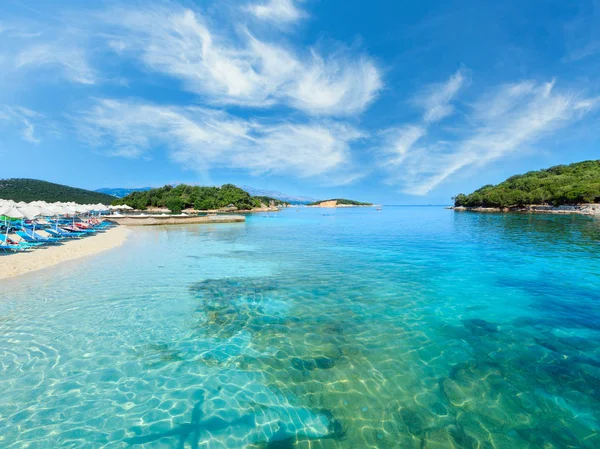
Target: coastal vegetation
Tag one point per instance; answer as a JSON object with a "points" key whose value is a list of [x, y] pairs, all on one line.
{"points": [[267, 200], [341, 201], [560, 185], [185, 196], [25, 189]]}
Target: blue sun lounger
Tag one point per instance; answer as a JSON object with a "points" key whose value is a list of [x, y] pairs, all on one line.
{"points": [[30, 239], [21, 246], [65, 234], [84, 231], [36, 236], [11, 248]]}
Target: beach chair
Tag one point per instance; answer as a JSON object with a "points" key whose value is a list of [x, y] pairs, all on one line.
{"points": [[7, 246], [75, 229], [11, 248], [30, 239], [67, 235], [37, 236]]}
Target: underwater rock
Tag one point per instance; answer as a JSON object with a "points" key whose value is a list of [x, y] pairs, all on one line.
{"points": [[415, 422], [453, 392], [462, 438], [479, 327], [437, 439], [303, 365], [324, 363], [311, 364], [233, 287]]}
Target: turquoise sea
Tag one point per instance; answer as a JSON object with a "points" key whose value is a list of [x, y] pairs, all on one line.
{"points": [[413, 327]]}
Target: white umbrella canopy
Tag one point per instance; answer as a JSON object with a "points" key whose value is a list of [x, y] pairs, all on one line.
{"points": [[29, 212], [79, 208], [12, 212], [45, 210]]}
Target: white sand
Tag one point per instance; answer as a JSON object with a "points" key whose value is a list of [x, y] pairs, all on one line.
{"points": [[40, 258]]}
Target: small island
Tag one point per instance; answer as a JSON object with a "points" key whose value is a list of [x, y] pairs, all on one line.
{"points": [[338, 202], [187, 198], [573, 188]]}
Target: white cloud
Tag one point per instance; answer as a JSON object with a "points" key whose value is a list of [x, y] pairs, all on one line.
{"points": [[499, 123], [38, 47], [202, 138], [239, 69], [277, 11], [22, 117], [67, 58], [396, 143], [399, 141], [435, 100]]}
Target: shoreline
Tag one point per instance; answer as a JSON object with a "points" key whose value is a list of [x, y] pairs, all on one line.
{"points": [[583, 209], [156, 220], [39, 259]]}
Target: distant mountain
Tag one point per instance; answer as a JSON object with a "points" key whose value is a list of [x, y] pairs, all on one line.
{"points": [[120, 193], [278, 195], [24, 189]]}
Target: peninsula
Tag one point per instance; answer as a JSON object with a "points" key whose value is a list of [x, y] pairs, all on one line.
{"points": [[573, 188]]}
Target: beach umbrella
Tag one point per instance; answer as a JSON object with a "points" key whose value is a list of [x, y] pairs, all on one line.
{"points": [[29, 212], [11, 212]]}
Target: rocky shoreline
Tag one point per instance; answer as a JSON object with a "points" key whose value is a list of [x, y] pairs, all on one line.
{"points": [[581, 209]]}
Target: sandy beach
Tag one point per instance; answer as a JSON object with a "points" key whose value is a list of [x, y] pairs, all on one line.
{"points": [[38, 259]]}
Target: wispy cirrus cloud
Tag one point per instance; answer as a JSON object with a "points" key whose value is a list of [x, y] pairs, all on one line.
{"points": [[436, 99], [23, 118], [201, 138], [68, 59], [37, 48], [240, 69], [282, 11], [502, 121], [435, 102]]}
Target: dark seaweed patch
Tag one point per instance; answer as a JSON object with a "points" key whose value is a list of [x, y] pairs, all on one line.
{"points": [[479, 327]]}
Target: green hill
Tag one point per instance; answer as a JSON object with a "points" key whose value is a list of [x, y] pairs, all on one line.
{"points": [[23, 189], [267, 200], [563, 184], [184, 196], [342, 201]]}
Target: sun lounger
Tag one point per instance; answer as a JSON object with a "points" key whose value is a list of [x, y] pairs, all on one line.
{"points": [[36, 236], [11, 248], [72, 229], [61, 233], [30, 239], [6, 245]]}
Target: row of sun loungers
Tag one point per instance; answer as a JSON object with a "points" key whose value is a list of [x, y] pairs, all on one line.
{"points": [[27, 236]]}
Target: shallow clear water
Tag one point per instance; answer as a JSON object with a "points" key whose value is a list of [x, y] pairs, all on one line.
{"points": [[406, 328]]}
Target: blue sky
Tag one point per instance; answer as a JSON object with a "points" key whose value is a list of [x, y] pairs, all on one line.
{"points": [[399, 102]]}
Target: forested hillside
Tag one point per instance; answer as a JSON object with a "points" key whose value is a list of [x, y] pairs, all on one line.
{"points": [[185, 196], [563, 184], [24, 189]]}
